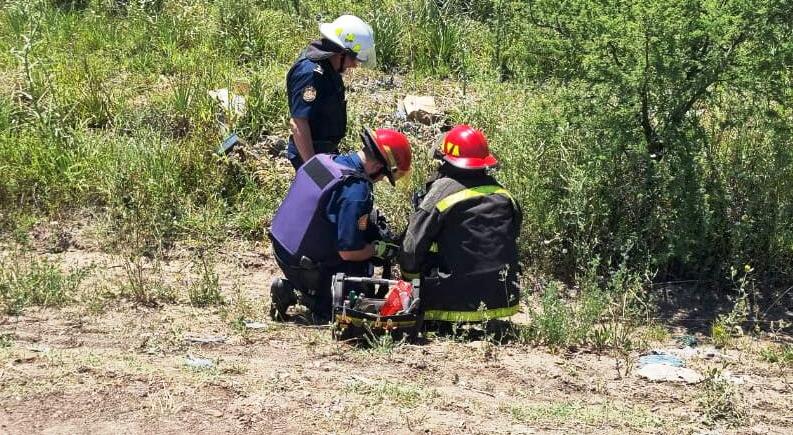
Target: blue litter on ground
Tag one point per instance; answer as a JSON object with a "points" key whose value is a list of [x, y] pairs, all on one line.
{"points": [[687, 341], [663, 358]]}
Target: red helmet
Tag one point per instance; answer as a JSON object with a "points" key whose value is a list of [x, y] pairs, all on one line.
{"points": [[466, 148], [391, 148]]}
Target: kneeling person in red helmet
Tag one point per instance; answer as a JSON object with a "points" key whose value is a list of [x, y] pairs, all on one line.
{"points": [[462, 238], [320, 227]]}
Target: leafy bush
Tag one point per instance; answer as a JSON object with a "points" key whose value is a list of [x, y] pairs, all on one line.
{"points": [[204, 289], [25, 282], [781, 354], [654, 138]]}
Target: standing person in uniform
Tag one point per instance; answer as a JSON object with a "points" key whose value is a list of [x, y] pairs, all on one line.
{"points": [[320, 227], [462, 237], [315, 88]]}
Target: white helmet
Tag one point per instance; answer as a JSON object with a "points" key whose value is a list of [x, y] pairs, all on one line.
{"points": [[352, 33]]}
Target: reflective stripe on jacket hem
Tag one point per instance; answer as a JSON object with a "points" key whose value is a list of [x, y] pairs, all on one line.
{"points": [[470, 316]]}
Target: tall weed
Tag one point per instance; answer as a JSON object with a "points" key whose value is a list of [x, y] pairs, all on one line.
{"points": [[28, 281]]}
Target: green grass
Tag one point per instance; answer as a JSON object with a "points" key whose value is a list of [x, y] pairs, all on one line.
{"points": [[781, 354], [722, 402], [28, 281], [402, 394], [570, 413], [104, 108], [205, 290]]}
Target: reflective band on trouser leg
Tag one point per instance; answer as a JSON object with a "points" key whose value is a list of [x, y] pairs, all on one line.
{"points": [[470, 316], [473, 192]]}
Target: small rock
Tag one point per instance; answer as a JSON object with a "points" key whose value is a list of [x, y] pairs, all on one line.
{"points": [[228, 101], [25, 357], [477, 344], [198, 363], [255, 325], [420, 109], [214, 413], [212, 339]]}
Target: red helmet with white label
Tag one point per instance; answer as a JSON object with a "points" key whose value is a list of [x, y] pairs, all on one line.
{"points": [[466, 148]]}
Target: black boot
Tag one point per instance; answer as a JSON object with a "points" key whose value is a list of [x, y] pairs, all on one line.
{"points": [[319, 307], [282, 296]]}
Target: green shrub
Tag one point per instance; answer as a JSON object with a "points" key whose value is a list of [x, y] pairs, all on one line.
{"points": [[30, 281], [654, 137], [205, 290], [781, 354]]}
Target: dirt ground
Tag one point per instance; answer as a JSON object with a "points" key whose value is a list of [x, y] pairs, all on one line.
{"points": [[119, 367]]}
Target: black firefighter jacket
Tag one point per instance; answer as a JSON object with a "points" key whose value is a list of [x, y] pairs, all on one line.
{"points": [[467, 228]]}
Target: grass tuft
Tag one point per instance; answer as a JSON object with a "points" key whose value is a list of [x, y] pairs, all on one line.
{"points": [[31, 281]]}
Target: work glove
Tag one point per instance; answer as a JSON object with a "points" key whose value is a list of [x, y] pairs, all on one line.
{"points": [[385, 251], [380, 226]]}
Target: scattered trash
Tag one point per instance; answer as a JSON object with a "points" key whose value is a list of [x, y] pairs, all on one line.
{"points": [[40, 348], [250, 324], [661, 358], [663, 366], [420, 109], [198, 363], [684, 353], [216, 339], [228, 144], [232, 106], [687, 341], [668, 373], [688, 352], [229, 102]]}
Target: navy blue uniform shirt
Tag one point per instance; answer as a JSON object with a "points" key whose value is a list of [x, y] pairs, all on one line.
{"points": [[316, 92], [349, 205]]}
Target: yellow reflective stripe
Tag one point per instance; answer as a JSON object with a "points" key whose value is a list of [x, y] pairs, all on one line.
{"points": [[471, 193], [470, 316], [434, 247]]}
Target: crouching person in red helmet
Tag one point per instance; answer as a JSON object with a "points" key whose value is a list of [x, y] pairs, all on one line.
{"points": [[321, 226], [462, 237]]}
